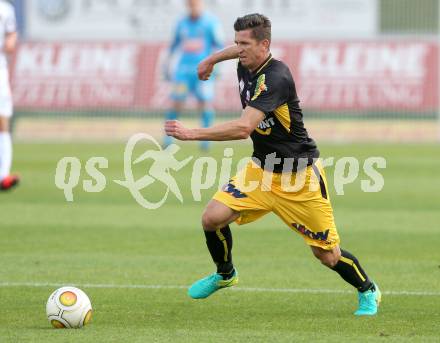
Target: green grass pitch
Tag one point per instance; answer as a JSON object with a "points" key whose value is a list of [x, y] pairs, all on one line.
{"points": [[105, 242]]}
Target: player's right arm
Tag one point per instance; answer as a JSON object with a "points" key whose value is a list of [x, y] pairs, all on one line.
{"points": [[10, 42], [175, 44], [176, 39], [237, 129], [205, 68]]}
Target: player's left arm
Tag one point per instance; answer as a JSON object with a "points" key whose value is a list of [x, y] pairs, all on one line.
{"points": [[205, 67], [240, 128], [217, 36]]}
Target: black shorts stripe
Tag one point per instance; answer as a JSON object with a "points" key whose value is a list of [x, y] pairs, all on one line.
{"points": [[321, 181]]}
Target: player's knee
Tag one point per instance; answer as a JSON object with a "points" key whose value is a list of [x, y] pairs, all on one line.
{"points": [[210, 222], [329, 261], [329, 258], [4, 123]]}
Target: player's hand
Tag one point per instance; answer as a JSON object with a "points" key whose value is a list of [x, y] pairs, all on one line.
{"points": [[204, 70], [175, 128]]}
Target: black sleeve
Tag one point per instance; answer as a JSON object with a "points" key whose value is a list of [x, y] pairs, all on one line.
{"points": [[270, 93]]}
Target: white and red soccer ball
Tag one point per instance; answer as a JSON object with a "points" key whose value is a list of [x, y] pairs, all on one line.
{"points": [[69, 307]]}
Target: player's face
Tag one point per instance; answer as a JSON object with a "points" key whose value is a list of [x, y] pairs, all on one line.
{"points": [[251, 52], [195, 8]]}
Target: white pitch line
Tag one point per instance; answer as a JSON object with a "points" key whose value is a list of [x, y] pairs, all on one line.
{"points": [[237, 289]]}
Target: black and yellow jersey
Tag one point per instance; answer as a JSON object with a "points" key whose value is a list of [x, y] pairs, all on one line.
{"points": [[271, 89]]}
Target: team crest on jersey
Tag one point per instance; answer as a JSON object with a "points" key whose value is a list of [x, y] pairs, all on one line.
{"points": [[261, 86]]}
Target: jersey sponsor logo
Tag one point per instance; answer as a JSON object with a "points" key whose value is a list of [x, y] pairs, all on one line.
{"points": [[193, 45], [265, 127], [260, 87], [317, 236], [230, 188]]}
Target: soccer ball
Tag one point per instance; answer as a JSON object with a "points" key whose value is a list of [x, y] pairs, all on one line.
{"points": [[68, 307]]}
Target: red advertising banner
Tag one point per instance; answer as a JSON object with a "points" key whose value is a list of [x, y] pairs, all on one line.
{"points": [[75, 75], [330, 76], [367, 76]]}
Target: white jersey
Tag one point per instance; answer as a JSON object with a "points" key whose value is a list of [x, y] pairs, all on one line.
{"points": [[7, 25]]}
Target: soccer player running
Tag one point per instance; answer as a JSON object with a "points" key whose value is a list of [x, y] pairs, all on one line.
{"points": [[274, 121], [197, 36], [8, 42]]}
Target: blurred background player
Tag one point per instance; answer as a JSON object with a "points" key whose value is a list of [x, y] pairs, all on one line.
{"points": [[8, 42], [197, 35]]}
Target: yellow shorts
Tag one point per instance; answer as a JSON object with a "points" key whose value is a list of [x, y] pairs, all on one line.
{"points": [[300, 199]]}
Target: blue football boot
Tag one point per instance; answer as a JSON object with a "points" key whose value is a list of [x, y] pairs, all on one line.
{"points": [[203, 288], [369, 302]]}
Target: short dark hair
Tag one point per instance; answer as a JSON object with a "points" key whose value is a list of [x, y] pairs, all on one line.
{"points": [[258, 23]]}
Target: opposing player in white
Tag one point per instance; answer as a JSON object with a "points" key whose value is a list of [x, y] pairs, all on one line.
{"points": [[8, 43]]}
